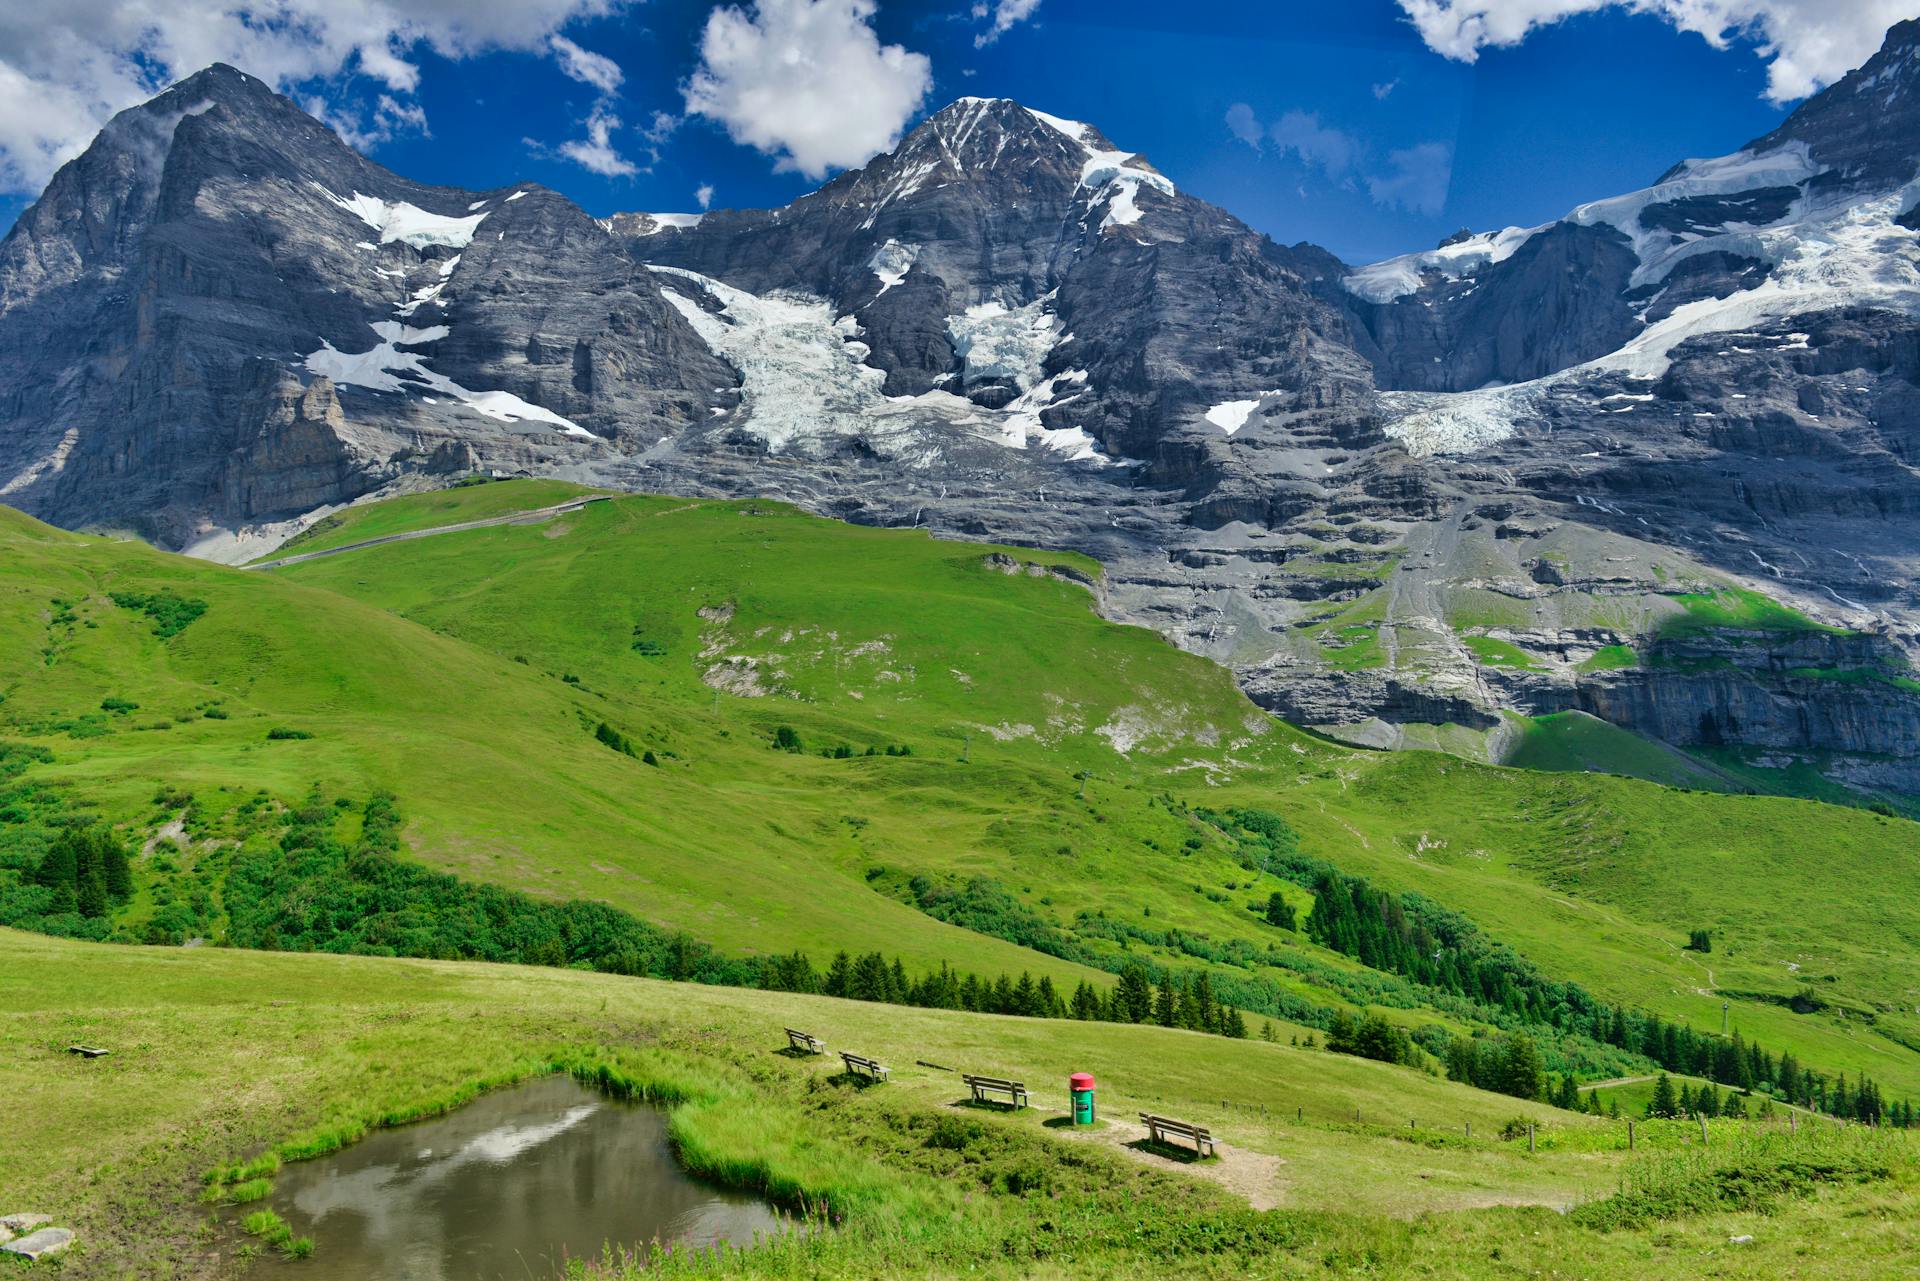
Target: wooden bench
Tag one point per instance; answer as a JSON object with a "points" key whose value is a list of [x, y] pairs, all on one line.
{"points": [[858, 1066], [87, 1051], [1159, 1127], [983, 1085], [802, 1041]]}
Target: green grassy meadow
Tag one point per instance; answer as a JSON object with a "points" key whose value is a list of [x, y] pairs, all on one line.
{"points": [[221, 1057], [997, 732]]}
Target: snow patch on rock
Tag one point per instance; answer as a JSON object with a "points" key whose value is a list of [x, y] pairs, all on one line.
{"points": [[1231, 415], [997, 343], [802, 378], [407, 223], [1394, 278], [388, 366], [1429, 423], [1116, 178], [891, 262]]}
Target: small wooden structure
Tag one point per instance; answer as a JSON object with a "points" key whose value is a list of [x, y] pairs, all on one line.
{"points": [[984, 1085], [1159, 1127], [858, 1066], [802, 1041]]}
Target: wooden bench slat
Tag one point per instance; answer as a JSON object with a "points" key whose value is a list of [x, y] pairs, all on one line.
{"points": [[1016, 1091], [856, 1062], [1199, 1135]]}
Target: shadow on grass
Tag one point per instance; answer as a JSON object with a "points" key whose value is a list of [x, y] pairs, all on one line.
{"points": [[987, 1105], [795, 1052], [855, 1080], [1066, 1123]]}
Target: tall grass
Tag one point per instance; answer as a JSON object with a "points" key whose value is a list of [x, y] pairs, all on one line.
{"points": [[725, 1130], [1744, 1171]]}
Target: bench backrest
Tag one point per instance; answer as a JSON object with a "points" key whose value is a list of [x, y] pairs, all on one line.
{"points": [[857, 1059], [1175, 1127], [992, 1082]]}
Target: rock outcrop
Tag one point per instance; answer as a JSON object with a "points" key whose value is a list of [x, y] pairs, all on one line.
{"points": [[1652, 462]]}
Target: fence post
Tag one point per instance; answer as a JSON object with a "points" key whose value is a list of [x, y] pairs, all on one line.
{"points": [[1629, 1136], [1793, 1123], [1469, 1129], [1299, 1114], [1703, 1131], [1529, 1138]]}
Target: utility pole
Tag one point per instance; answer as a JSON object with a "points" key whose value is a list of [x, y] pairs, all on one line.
{"points": [[1723, 1018]]}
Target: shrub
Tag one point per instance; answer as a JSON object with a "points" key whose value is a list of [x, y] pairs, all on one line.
{"points": [[281, 733], [613, 738], [171, 614]]}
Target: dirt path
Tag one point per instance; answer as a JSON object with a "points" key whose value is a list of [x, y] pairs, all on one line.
{"points": [[533, 517], [1256, 1176]]}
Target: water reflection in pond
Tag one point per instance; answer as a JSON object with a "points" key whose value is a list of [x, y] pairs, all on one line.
{"points": [[511, 1185]]}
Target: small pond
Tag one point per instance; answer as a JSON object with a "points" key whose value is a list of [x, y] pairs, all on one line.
{"points": [[509, 1186]]}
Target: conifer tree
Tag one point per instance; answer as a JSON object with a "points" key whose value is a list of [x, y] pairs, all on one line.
{"points": [[1133, 998], [1166, 1005], [1664, 1102], [119, 874], [1279, 911], [839, 975], [1520, 1073], [1206, 1012]]}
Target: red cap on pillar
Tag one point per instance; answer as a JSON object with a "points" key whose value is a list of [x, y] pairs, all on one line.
{"points": [[1080, 1081]]}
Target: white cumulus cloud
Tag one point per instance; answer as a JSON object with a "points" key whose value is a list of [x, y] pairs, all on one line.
{"points": [[596, 151], [1808, 44], [586, 66], [1007, 14], [806, 81], [704, 195], [1244, 125], [1324, 147], [66, 67], [1416, 178]]}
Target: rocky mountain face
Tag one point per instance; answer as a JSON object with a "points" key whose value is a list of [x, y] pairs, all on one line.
{"points": [[1653, 462], [220, 315]]}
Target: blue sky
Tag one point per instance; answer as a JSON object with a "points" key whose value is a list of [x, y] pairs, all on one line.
{"points": [[1337, 123]]}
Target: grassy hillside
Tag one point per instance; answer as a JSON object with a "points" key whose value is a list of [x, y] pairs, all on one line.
{"points": [[1579, 743], [1066, 765], [1597, 879], [223, 1056]]}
